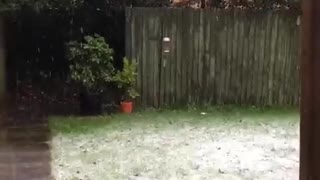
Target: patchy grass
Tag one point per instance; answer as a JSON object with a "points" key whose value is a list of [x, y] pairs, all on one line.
{"points": [[208, 143]]}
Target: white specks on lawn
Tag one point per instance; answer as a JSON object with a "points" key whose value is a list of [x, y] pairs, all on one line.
{"points": [[228, 151]]}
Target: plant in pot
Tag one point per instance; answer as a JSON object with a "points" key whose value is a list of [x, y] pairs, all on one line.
{"points": [[126, 80], [91, 66]]}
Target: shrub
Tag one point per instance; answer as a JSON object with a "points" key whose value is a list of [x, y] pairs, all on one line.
{"points": [[91, 62]]}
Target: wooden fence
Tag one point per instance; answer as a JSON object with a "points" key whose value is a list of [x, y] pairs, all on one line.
{"points": [[216, 56]]}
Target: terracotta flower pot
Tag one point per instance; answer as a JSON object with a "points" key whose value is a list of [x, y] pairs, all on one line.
{"points": [[126, 107]]}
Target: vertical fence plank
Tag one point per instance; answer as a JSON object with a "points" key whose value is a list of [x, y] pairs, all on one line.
{"points": [[184, 58], [150, 22], [173, 60], [210, 65], [227, 78], [296, 54], [201, 61], [266, 60], [292, 65], [258, 52], [178, 51], [279, 60], [170, 77], [261, 40], [234, 60], [207, 96], [273, 39], [161, 66], [285, 70], [290, 60], [245, 60], [166, 57], [138, 48], [261, 58], [255, 69], [155, 57], [167, 27], [144, 61], [193, 57], [250, 72], [290, 70], [285, 65], [266, 57], [276, 62], [212, 43], [240, 52], [222, 53], [292, 54], [295, 49], [225, 65], [216, 53]]}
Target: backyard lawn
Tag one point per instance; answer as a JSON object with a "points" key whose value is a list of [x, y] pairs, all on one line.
{"points": [[217, 143]]}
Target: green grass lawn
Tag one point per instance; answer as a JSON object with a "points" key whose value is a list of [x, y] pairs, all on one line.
{"points": [[142, 119]]}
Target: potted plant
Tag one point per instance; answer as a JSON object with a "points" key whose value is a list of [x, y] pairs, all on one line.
{"points": [[126, 80], [91, 66]]}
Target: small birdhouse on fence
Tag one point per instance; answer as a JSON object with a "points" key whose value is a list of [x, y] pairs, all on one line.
{"points": [[166, 44]]}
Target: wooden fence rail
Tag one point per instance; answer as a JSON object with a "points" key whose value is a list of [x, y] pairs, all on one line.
{"points": [[216, 56]]}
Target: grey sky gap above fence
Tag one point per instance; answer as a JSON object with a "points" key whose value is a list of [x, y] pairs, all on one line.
{"points": [[216, 56]]}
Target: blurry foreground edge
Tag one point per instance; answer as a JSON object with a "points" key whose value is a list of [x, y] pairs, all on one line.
{"points": [[310, 91], [24, 139]]}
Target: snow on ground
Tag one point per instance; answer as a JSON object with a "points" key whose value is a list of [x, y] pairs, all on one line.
{"points": [[231, 151]]}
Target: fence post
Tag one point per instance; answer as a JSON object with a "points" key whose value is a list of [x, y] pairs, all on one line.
{"points": [[310, 91]]}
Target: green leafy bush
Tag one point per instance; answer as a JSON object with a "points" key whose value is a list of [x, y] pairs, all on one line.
{"points": [[91, 62], [126, 79]]}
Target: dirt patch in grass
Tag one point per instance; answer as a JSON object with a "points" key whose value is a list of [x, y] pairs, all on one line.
{"points": [[229, 145]]}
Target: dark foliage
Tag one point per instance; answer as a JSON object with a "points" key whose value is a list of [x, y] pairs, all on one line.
{"points": [[38, 30], [36, 50]]}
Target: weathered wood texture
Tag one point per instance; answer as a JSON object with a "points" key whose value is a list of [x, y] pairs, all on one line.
{"points": [[216, 56]]}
